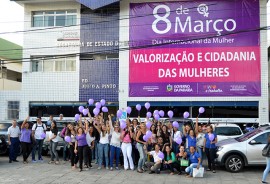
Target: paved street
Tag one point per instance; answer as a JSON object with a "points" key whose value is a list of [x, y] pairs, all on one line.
{"points": [[43, 173]]}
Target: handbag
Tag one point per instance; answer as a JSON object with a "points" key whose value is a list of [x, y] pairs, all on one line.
{"points": [[265, 151], [184, 162], [198, 173]]}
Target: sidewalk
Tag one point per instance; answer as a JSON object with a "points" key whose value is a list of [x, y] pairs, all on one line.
{"points": [[44, 173]]}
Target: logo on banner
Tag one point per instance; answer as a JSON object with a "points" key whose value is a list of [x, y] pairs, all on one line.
{"points": [[212, 89], [203, 10], [169, 88]]}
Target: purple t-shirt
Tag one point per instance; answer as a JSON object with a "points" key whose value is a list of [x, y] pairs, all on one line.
{"points": [[25, 135], [81, 140]]}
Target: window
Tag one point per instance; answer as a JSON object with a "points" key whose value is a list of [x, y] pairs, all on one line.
{"points": [[13, 109], [227, 131], [54, 18], [262, 139], [53, 64]]}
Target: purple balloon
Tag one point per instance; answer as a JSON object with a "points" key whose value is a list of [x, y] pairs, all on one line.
{"points": [[104, 109], [96, 111], [119, 113], [43, 135], [170, 114], [211, 137], [161, 155], [148, 133], [186, 114], [156, 116], [67, 139], [128, 109], [98, 105], [175, 124], [148, 114], [138, 107], [77, 117], [156, 112], [147, 105], [91, 101], [201, 110], [102, 102], [123, 124], [145, 138], [148, 124], [161, 113], [85, 111], [178, 140], [81, 109]]}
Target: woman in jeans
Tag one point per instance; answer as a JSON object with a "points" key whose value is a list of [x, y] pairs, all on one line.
{"points": [[141, 145], [103, 146], [26, 140], [126, 137], [210, 148], [115, 145], [53, 143], [267, 169], [175, 134], [199, 138], [71, 132], [81, 146]]}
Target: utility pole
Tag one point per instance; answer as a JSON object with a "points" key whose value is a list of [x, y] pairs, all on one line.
{"points": [[3, 71]]}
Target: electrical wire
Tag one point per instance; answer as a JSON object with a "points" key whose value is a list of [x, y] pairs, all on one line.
{"points": [[128, 48]]}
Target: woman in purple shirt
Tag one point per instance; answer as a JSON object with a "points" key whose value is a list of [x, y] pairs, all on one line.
{"points": [[26, 140], [81, 146]]}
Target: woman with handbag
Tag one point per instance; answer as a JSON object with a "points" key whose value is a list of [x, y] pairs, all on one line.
{"points": [[266, 153], [182, 159]]}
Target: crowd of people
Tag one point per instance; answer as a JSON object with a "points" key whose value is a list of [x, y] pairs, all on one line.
{"points": [[102, 138]]}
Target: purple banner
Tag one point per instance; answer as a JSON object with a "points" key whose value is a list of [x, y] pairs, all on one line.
{"points": [[195, 48], [188, 23], [194, 89]]}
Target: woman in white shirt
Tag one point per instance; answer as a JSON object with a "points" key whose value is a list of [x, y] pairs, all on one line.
{"points": [[199, 138], [103, 146], [115, 145], [175, 134], [53, 142]]}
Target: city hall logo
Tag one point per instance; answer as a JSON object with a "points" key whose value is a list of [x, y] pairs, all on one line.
{"points": [[212, 89], [169, 88]]}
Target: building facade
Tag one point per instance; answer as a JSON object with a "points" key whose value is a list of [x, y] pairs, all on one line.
{"points": [[78, 50]]}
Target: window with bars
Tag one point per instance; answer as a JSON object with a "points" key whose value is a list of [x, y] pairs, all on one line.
{"points": [[53, 64], [54, 18], [13, 109]]}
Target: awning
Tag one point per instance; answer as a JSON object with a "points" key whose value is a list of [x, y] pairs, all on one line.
{"points": [[199, 103], [95, 4]]}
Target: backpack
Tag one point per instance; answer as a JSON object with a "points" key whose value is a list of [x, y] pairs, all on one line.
{"points": [[266, 151], [42, 125]]}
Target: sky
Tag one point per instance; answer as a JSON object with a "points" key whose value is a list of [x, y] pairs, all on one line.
{"points": [[11, 20]]}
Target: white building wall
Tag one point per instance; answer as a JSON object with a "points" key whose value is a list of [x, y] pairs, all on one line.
{"points": [[124, 68], [6, 96], [48, 86]]}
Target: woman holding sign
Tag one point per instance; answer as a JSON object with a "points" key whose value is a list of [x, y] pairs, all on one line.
{"points": [[209, 148]]}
